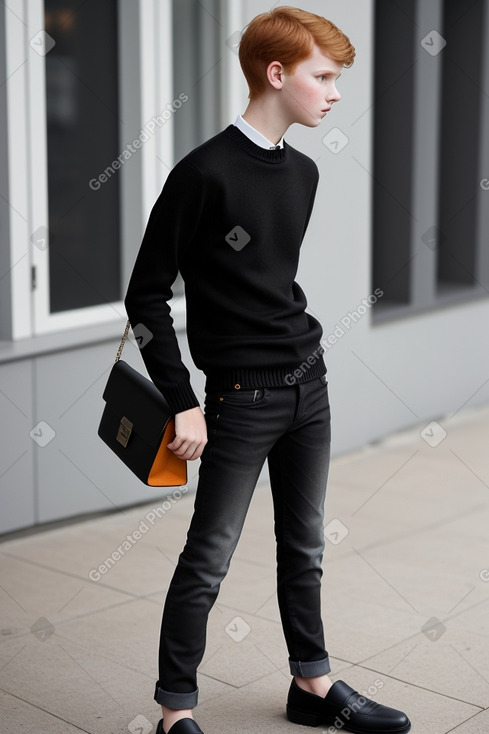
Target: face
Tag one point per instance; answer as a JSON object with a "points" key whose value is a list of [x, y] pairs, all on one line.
{"points": [[309, 92]]}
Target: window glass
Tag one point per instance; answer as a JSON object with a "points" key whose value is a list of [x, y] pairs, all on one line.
{"points": [[83, 144]]}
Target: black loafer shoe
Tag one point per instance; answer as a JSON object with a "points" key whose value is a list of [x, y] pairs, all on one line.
{"points": [[346, 709], [184, 726]]}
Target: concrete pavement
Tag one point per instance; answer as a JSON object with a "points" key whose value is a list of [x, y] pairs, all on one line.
{"points": [[405, 601]]}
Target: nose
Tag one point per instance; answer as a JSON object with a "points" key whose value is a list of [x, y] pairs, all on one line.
{"points": [[335, 96]]}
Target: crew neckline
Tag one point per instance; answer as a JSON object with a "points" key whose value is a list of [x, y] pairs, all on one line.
{"points": [[276, 155], [255, 135]]}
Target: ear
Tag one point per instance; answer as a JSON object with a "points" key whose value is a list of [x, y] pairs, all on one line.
{"points": [[275, 72]]}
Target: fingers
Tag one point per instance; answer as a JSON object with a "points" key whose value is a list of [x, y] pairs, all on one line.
{"points": [[188, 449], [190, 434]]}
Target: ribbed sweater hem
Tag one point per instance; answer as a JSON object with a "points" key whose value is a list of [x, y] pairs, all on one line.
{"points": [[248, 378]]}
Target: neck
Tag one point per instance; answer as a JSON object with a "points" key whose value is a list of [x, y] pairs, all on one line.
{"points": [[265, 116]]}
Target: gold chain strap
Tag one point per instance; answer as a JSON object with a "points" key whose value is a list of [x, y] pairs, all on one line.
{"points": [[123, 341]]}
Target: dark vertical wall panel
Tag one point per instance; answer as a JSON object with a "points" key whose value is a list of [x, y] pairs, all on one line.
{"points": [[393, 148], [460, 140], [83, 141]]}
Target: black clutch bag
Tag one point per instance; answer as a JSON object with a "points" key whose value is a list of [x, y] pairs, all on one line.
{"points": [[137, 425]]}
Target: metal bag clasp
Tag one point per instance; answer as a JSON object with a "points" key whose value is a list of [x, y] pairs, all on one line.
{"points": [[124, 432]]}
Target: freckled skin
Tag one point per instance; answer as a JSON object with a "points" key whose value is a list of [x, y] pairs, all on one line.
{"points": [[311, 88]]}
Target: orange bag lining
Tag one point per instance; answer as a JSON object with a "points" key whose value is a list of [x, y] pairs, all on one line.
{"points": [[167, 470]]}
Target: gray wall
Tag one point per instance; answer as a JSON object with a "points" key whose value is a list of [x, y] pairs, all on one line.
{"points": [[383, 377], [53, 464]]}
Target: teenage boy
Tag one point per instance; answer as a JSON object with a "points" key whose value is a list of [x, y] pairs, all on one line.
{"points": [[231, 218]]}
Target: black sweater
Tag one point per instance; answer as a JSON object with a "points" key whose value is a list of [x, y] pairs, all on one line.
{"points": [[231, 218]]}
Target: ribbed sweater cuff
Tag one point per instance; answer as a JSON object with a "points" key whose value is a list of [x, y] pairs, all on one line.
{"points": [[181, 397]]}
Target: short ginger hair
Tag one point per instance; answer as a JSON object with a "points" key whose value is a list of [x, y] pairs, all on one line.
{"points": [[288, 35]]}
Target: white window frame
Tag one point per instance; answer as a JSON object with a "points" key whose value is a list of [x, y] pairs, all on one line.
{"points": [[26, 95]]}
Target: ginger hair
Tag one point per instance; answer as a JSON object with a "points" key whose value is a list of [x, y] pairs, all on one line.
{"points": [[288, 35]]}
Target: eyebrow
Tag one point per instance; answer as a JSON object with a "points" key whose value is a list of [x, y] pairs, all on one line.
{"points": [[328, 71]]}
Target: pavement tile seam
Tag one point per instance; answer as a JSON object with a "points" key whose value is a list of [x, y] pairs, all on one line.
{"points": [[423, 688], [241, 557], [443, 619], [461, 725], [88, 650], [408, 680], [233, 608], [388, 648], [107, 679], [417, 531], [364, 663], [62, 572], [346, 552], [104, 656], [260, 710], [26, 702], [202, 675], [346, 661], [257, 614], [85, 615], [78, 577], [234, 685]]}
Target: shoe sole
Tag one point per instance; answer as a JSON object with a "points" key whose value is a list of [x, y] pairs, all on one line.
{"points": [[296, 716]]}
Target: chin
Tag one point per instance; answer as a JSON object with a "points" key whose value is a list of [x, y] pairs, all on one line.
{"points": [[312, 122]]}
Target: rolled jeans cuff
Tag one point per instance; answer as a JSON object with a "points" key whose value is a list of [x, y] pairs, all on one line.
{"points": [[310, 669], [176, 700]]}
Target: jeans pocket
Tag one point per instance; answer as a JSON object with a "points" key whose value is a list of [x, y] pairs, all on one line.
{"points": [[242, 397]]}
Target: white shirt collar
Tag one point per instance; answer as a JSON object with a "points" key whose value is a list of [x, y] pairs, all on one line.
{"points": [[255, 136]]}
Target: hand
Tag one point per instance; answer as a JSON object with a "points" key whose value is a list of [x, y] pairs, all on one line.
{"points": [[190, 434]]}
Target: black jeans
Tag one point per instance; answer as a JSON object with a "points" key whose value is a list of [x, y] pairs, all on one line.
{"points": [[291, 426]]}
